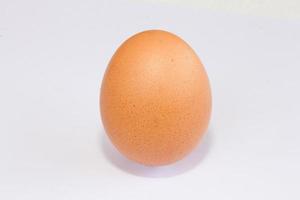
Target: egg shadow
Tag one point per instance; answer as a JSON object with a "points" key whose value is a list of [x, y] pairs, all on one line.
{"points": [[188, 163]]}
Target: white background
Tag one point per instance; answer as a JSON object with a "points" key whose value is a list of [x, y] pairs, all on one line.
{"points": [[52, 58]]}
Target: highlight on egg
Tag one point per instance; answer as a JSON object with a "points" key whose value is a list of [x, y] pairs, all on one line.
{"points": [[155, 98]]}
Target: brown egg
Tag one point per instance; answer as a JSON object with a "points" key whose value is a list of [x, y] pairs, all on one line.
{"points": [[155, 98]]}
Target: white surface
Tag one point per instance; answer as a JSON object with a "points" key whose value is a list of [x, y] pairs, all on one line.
{"points": [[52, 145], [280, 9]]}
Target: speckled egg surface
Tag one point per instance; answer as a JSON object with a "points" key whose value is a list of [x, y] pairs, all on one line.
{"points": [[155, 98]]}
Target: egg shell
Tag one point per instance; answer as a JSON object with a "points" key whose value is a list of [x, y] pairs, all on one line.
{"points": [[155, 98]]}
